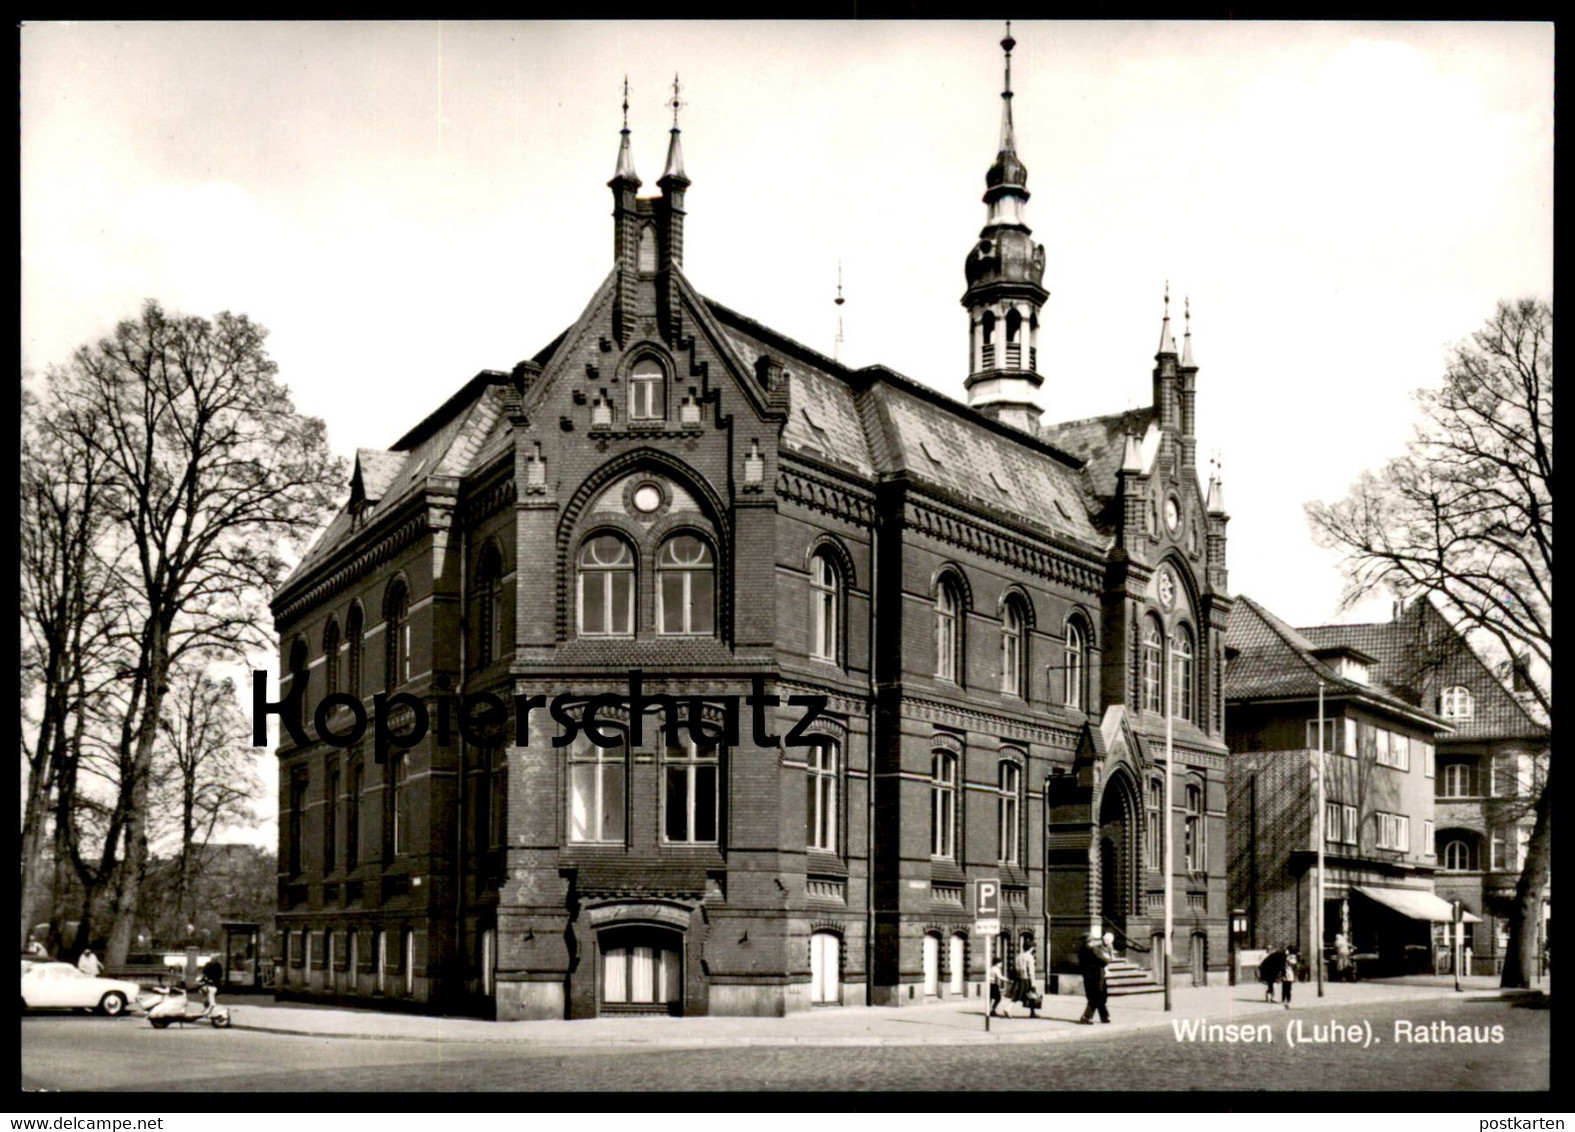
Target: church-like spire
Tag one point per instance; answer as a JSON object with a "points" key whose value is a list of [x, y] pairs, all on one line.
{"points": [[1216, 496], [1007, 175], [1167, 341], [1186, 336], [675, 153], [625, 170]]}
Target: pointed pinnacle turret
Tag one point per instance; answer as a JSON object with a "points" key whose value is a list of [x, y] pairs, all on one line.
{"points": [[1007, 172], [1186, 335], [1216, 498], [1167, 341], [675, 153], [625, 170], [1132, 455]]}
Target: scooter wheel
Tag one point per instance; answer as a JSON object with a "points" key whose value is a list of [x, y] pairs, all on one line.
{"points": [[221, 1023], [159, 1023]]}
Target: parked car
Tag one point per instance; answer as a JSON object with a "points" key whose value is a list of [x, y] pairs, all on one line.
{"points": [[47, 985]]}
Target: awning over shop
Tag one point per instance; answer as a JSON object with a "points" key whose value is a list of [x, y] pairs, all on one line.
{"points": [[1415, 903]]}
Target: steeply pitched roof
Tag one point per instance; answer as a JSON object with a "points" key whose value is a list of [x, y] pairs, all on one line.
{"points": [[1101, 443], [1420, 655], [1271, 660]]}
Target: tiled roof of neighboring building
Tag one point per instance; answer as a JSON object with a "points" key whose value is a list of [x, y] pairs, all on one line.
{"points": [[1421, 654], [1271, 660]]}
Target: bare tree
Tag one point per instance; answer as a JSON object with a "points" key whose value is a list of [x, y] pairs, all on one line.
{"points": [[218, 474], [1465, 516], [204, 769]]}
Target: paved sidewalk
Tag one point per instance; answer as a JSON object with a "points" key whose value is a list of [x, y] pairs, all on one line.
{"points": [[946, 1023]]}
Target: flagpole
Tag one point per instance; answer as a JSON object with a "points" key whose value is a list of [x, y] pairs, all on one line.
{"points": [[1317, 955], [1170, 758]]}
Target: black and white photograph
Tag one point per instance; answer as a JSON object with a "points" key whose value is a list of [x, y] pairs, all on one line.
{"points": [[795, 558]]}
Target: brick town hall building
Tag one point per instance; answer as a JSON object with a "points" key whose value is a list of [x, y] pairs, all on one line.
{"points": [[995, 610]]}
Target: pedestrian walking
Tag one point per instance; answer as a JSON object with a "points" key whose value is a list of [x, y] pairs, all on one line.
{"points": [[1270, 970], [996, 979], [1342, 959], [1027, 993], [1288, 976], [89, 964], [1094, 956]]}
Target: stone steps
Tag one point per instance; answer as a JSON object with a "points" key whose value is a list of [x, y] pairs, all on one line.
{"points": [[1123, 977]]}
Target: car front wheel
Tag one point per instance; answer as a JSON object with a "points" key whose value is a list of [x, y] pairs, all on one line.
{"points": [[113, 1004]]}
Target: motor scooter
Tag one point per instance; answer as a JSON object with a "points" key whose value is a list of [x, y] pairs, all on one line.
{"points": [[165, 1005]]}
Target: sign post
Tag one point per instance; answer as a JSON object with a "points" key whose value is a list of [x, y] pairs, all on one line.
{"points": [[1459, 934], [987, 922]]}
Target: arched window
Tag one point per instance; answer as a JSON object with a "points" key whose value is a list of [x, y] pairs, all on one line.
{"points": [[1196, 847], [648, 248], [1073, 672], [1014, 638], [685, 587], [353, 640], [331, 657], [1458, 781], [1456, 703], [943, 804], [1014, 343], [647, 391], [1008, 810], [407, 955], [606, 587], [1153, 666], [489, 605], [396, 625], [948, 637], [825, 589], [1181, 672], [820, 799], [1458, 856]]}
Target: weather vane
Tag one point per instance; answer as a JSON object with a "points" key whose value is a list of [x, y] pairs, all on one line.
{"points": [[676, 102]]}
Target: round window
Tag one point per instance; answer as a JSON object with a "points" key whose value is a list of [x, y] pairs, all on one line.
{"points": [[647, 498]]}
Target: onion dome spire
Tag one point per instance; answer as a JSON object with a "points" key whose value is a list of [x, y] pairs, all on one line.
{"points": [[1007, 174], [625, 170], [675, 153], [1167, 340]]}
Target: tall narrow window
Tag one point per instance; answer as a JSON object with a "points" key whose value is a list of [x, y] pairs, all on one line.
{"points": [[691, 792], [396, 617], [820, 800], [596, 791], [686, 587], [299, 674], [825, 595], [947, 611], [1153, 666], [353, 642], [489, 605], [331, 816], [606, 587], [1008, 822], [1153, 828], [297, 842], [331, 657], [1196, 847], [407, 955], [1181, 671], [497, 797], [647, 388], [401, 806], [1072, 674], [943, 804], [353, 814], [1013, 639]]}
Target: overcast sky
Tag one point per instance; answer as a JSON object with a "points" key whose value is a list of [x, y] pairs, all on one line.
{"points": [[404, 204]]}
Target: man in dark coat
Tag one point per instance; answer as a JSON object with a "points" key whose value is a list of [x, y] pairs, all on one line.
{"points": [[1092, 958], [1270, 970]]}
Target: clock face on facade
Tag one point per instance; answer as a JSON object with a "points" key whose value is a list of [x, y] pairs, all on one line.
{"points": [[1172, 514], [1166, 585]]}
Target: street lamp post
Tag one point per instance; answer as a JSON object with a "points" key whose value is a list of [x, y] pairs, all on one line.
{"points": [[1170, 849], [1322, 817]]}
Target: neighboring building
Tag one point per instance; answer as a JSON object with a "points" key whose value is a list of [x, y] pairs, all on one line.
{"points": [[1378, 816], [997, 614], [1489, 766]]}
